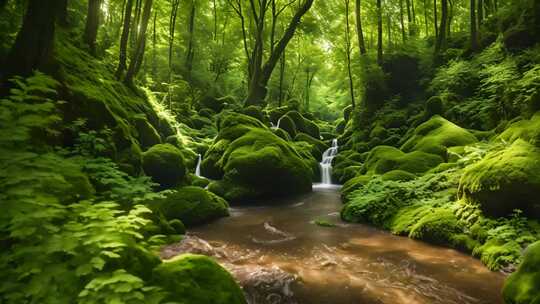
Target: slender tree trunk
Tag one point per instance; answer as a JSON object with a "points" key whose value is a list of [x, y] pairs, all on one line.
{"points": [[402, 21], [441, 41], [33, 47], [135, 24], [92, 24], [282, 65], [426, 18], [435, 21], [474, 32], [348, 52], [409, 18], [135, 63], [480, 12], [62, 18], [379, 33], [190, 48], [450, 19], [154, 51], [257, 89], [215, 20], [122, 62], [359, 31], [389, 30]]}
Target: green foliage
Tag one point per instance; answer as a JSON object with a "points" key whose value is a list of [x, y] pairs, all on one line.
{"points": [[165, 164], [522, 286]]}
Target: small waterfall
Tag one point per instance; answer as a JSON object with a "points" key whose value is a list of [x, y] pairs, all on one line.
{"points": [[198, 168], [326, 163]]}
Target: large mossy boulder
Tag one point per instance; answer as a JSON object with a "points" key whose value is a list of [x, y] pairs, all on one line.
{"points": [[383, 159], [192, 205], [197, 279], [304, 125], [523, 286], [436, 135], [165, 164], [255, 162], [504, 180], [287, 124], [318, 146]]}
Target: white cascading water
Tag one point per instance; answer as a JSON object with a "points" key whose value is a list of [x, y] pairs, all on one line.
{"points": [[326, 163], [278, 122], [198, 168]]}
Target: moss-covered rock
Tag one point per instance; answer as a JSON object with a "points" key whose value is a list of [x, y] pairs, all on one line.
{"points": [[304, 125], [255, 162], [192, 205], [434, 106], [398, 175], [352, 185], [438, 226], [213, 103], [165, 164], [282, 134], [526, 129], [148, 135], [383, 159], [523, 286], [436, 135], [253, 111], [287, 124], [504, 180], [318, 146], [197, 279]]}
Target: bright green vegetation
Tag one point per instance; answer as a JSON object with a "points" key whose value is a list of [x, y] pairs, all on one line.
{"points": [[196, 279], [106, 106]]}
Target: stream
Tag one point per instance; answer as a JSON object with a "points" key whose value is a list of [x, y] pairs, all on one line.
{"points": [[279, 255]]}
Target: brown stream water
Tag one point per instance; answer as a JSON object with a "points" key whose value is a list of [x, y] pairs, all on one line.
{"points": [[279, 255]]}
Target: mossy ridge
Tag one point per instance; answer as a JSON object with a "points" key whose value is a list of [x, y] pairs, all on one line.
{"points": [[383, 159], [197, 279], [436, 135]]}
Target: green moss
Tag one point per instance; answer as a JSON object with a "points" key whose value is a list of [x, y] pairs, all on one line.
{"points": [[464, 242], [522, 287], [213, 103], [352, 185], [148, 135], [438, 226], [253, 111], [398, 175], [496, 253], [197, 279], [211, 166], [383, 159], [379, 132], [282, 134], [436, 135], [527, 129], [287, 124], [318, 146], [198, 181], [324, 223], [304, 125], [504, 180], [165, 164], [192, 205]]}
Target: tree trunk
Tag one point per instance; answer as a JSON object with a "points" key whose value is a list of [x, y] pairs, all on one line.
{"points": [[257, 88], [435, 21], [92, 24], [426, 18], [62, 18], [33, 47], [480, 12], [441, 41], [135, 25], [282, 65], [402, 21], [135, 63], [348, 52], [154, 53], [124, 40], [409, 19], [474, 32], [190, 49], [379, 33], [359, 32]]}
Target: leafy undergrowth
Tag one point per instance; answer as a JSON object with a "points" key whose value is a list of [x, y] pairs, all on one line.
{"points": [[427, 208], [74, 228]]}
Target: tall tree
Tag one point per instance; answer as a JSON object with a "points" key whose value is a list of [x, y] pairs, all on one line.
{"points": [[62, 18], [359, 31], [410, 25], [190, 54], [122, 61], [136, 61], [402, 21], [379, 33], [435, 21], [261, 72], [348, 52], [480, 12], [33, 46], [474, 29], [92, 24], [426, 18], [441, 39]]}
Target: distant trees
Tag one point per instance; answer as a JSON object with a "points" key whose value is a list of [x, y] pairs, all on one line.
{"points": [[359, 30], [122, 54], [348, 52], [379, 33], [138, 54]]}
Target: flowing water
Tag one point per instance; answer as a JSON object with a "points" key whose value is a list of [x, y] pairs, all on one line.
{"points": [[279, 255], [326, 163], [198, 167]]}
